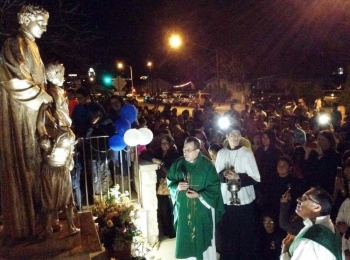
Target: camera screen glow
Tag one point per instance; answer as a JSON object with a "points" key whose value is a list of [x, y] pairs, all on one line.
{"points": [[323, 119], [224, 122]]}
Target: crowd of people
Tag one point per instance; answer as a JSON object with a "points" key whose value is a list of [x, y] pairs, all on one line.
{"points": [[277, 156], [291, 171]]}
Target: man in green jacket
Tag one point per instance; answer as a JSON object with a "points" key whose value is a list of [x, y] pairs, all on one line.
{"points": [[198, 206]]}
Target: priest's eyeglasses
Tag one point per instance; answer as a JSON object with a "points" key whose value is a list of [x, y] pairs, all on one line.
{"points": [[305, 198], [188, 150]]}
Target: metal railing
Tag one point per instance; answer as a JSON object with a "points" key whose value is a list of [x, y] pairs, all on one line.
{"points": [[98, 168]]}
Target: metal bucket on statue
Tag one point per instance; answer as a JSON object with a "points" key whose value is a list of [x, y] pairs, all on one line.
{"points": [[233, 186]]}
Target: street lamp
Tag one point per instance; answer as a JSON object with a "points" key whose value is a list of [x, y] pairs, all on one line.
{"points": [[149, 65], [91, 74], [175, 41], [120, 65]]}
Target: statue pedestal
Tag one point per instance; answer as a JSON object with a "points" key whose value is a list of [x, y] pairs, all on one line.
{"points": [[61, 245], [145, 181]]}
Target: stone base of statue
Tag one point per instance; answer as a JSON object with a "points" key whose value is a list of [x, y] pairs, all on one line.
{"points": [[59, 245]]}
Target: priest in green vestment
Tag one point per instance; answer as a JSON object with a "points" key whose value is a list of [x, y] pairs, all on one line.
{"points": [[198, 206], [319, 239]]}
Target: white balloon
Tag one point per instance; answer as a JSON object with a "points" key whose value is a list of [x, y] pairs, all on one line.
{"points": [[146, 136], [132, 137]]}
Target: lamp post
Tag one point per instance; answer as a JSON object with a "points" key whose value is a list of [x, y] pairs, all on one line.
{"points": [[149, 65], [91, 74], [120, 65], [175, 42]]}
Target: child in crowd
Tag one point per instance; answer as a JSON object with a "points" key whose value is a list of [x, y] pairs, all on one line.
{"points": [[213, 150]]}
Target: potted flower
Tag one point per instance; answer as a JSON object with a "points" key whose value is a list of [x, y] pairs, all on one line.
{"points": [[115, 215]]}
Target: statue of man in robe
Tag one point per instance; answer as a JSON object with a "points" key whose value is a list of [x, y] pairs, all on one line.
{"points": [[22, 91]]}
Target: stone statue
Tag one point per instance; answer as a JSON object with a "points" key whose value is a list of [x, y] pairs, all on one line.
{"points": [[55, 75], [56, 141], [22, 91]]}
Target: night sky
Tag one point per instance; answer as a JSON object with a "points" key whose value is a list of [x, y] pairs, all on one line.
{"points": [[252, 37]]}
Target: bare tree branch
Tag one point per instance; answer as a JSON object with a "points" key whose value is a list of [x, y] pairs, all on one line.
{"points": [[70, 33]]}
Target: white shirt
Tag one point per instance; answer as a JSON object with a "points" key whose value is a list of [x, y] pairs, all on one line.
{"points": [[344, 216], [243, 161], [310, 250]]}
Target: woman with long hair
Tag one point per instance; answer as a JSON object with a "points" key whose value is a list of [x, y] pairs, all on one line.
{"points": [[164, 156], [267, 155], [269, 238]]}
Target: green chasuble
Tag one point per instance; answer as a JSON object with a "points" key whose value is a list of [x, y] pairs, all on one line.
{"points": [[323, 236], [192, 220]]}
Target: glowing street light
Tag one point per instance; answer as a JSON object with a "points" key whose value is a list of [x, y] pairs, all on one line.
{"points": [[149, 65], [175, 41], [91, 74]]}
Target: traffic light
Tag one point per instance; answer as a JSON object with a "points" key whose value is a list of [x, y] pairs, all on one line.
{"points": [[107, 79]]}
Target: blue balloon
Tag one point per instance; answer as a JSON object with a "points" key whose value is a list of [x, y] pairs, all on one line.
{"points": [[116, 142], [128, 112], [121, 125]]}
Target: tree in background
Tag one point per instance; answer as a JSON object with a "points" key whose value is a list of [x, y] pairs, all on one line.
{"points": [[71, 34]]}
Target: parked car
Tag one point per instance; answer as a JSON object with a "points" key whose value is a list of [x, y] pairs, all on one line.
{"points": [[164, 94], [330, 96], [146, 98], [131, 100], [325, 102], [189, 93], [155, 99], [182, 100], [168, 99], [198, 98], [278, 99]]}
